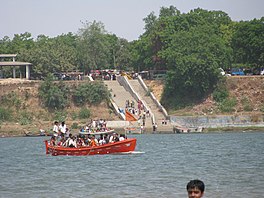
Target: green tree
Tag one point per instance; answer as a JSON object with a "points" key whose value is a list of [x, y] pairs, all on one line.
{"points": [[5, 45], [51, 55], [93, 46], [248, 43], [55, 96], [190, 46]]}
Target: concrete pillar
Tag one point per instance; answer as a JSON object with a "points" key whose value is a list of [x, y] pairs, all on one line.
{"points": [[14, 72], [27, 72], [20, 73], [1, 72]]}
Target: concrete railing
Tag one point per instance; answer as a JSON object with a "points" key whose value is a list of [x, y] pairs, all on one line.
{"points": [[121, 115], [161, 108], [125, 83]]}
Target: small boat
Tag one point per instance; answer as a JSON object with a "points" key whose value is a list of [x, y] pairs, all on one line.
{"points": [[133, 130], [124, 146]]}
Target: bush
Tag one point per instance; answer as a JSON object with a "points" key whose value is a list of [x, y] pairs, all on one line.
{"points": [[246, 104], [228, 105], [60, 116], [91, 93], [25, 118], [84, 113], [74, 115], [53, 95], [11, 99], [220, 93], [5, 114], [262, 108]]}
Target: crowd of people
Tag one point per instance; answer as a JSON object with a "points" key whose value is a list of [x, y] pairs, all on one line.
{"points": [[95, 126], [62, 136]]}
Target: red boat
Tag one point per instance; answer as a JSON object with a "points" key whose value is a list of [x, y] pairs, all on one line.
{"points": [[124, 146]]}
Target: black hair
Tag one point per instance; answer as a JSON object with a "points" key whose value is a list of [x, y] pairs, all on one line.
{"points": [[196, 184]]}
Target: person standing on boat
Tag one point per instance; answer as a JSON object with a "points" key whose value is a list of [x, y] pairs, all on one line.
{"points": [[56, 128], [62, 127], [195, 189]]}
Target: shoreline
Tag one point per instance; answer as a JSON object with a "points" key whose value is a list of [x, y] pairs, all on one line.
{"points": [[149, 131]]}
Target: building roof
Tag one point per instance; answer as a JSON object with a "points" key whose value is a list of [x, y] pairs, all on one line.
{"points": [[7, 55], [11, 63]]}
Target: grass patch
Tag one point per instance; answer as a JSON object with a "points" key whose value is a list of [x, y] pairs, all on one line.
{"points": [[247, 106], [228, 105]]}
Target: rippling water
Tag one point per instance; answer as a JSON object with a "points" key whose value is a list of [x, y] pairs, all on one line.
{"points": [[230, 164]]}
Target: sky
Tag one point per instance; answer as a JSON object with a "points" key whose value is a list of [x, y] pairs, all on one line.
{"points": [[123, 18]]}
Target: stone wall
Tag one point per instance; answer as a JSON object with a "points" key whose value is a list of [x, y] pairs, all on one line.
{"points": [[219, 121]]}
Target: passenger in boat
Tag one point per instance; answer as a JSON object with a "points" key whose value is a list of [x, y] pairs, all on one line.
{"points": [[82, 129], [67, 133], [94, 141], [80, 141], [102, 140], [195, 188], [111, 139], [114, 138], [106, 138], [87, 128], [122, 137], [53, 141], [71, 141], [62, 142], [104, 124]]}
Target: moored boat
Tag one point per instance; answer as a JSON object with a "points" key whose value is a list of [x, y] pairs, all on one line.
{"points": [[133, 130], [124, 146]]}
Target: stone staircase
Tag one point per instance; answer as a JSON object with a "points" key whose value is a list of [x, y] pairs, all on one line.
{"points": [[120, 95], [159, 116], [118, 92]]}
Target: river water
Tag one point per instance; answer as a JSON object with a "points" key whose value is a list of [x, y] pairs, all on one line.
{"points": [[230, 164]]}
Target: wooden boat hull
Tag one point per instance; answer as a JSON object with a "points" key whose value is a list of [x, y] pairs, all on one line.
{"points": [[127, 145]]}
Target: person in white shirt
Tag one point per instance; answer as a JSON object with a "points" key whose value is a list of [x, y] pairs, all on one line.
{"points": [[71, 141], [62, 128], [122, 137], [114, 138], [56, 128]]}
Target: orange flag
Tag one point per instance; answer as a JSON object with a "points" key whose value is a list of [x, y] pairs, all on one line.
{"points": [[130, 116]]}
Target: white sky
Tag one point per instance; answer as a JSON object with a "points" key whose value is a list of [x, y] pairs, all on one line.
{"points": [[121, 17]]}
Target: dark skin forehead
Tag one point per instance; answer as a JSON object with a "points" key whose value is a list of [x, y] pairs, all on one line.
{"points": [[194, 190], [194, 193]]}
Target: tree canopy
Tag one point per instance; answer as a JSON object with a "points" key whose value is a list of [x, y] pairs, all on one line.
{"points": [[191, 47]]}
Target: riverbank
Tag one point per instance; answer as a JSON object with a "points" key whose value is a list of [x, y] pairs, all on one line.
{"points": [[120, 130], [28, 116]]}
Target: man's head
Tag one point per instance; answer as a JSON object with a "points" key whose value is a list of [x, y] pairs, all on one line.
{"points": [[195, 188]]}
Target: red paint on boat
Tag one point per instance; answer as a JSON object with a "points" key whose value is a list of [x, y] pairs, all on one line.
{"points": [[127, 145]]}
